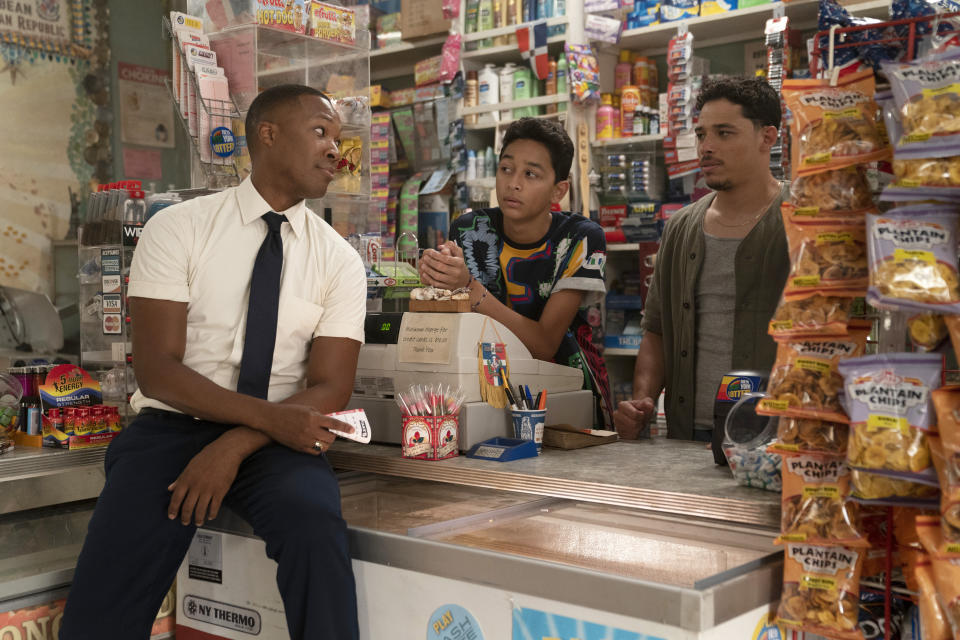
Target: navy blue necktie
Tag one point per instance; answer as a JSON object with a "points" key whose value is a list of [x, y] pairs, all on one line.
{"points": [[262, 311]]}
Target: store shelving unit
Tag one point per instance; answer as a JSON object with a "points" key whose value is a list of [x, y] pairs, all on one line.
{"points": [[649, 141], [397, 60]]}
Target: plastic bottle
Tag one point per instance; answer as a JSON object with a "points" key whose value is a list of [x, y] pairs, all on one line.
{"points": [[471, 22], [622, 73], [135, 209], [522, 90], [486, 21], [562, 82], [654, 120], [471, 164], [506, 88], [617, 131], [491, 162], [629, 102], [544, 9], [551, 84], [499, 20], [605, 117], [470, 96], [481, 164], [488, 90], [641, 72]]}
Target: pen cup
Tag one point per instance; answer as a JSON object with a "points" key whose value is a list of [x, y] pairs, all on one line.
{"points": [[528, 425]]}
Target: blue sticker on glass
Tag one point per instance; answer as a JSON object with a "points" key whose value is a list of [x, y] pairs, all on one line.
{"points": [[223, 142], [453, 622]]}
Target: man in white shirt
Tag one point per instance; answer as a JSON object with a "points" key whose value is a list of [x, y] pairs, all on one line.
{"points": [[225, 295]]}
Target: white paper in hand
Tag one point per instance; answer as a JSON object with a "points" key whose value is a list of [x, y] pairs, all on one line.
{"points": [[357, 418]]}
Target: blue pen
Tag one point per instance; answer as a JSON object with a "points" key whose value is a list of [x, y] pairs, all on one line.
{"points": [[526, 392]]}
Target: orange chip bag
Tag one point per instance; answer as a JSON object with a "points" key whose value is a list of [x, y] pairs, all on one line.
{"points": [[826, 256], [834, 127], [821, 590], [804, 382], [932, 619], [809, 435], [948, 472], [814, 502], [843, 192], [946, 570], [946, 401], [810, 313]]}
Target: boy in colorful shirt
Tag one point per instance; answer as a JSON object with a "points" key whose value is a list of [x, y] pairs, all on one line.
{"points": [[530, 268]]}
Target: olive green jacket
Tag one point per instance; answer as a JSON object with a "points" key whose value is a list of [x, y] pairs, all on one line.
{"points": [[762, 265]]}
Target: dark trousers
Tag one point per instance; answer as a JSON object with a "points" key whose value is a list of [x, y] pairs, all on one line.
{"points": [[132, 550]]}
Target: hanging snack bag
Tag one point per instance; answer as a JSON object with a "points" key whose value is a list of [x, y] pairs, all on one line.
{"points": [[946, 571], [913, 258], [926, 178], [809, 435], [814, 503], [829, 256], [933, 621], [583, 72], [888, 398], [927, 93], [821, 587], [842, 192], [834, 127], [948, 472], [805, 381], [871, 488], [927, 331], [808, 313]]}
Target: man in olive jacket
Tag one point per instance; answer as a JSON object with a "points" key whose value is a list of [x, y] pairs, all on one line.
{"points": [[720, 269]]}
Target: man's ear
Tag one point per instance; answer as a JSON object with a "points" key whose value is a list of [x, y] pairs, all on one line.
{"points": [[266, 133], [770, 136], [559, 190]]}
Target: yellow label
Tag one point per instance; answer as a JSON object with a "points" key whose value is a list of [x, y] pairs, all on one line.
{"points": [[950, 88], [822, 491], [877, 423], [781, 325], [806, 281], [819, 582], [916, 137], [794, 537], [909, 182], [852, 112], [807, 211], [788, 447], [774, 405], [903, 255], [833, 237], [953, 548], [817, 366], [819, 158]]}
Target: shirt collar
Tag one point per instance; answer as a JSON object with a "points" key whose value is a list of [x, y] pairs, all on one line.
{"points": [[253, 206]]}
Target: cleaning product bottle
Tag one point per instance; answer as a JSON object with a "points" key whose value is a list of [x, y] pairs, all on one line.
{"points": [[551, 84], [491, 159], [470, 96], [481, 164], [622, 73], [486, 21], [488, 91], [522, 81], [471, 22], [471, 164], [562, 82], [506, 88], [605, 116]]}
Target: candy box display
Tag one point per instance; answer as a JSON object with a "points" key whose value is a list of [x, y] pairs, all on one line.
{"points": [[430, 437]]}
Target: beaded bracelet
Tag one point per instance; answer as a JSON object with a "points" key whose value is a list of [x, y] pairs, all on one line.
{"points": [[476, 305], [467, 286]]}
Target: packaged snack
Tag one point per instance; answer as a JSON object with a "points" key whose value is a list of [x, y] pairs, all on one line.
{"points": [[821, 587], [932, 619], [927, 330], [808, 435], [946, 571], [834, 127], [873, 524], [810, 314], [927, 93], [583, 72], [832, 193], [889, 402], [870, 488], [953, 327], [829, 256], [948, 472], [804, 382], [913, 258], [928, 172], [814, 503]]}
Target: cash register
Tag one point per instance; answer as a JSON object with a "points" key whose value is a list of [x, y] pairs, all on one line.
{"points": [[409, 348]]}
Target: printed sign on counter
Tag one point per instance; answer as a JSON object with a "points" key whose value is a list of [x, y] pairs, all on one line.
{"points": [[453, 622], [533, 624], [425, 338]]}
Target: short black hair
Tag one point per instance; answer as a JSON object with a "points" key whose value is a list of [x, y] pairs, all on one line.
{"points": [[548, 133], [268, 100], [759, 101]]}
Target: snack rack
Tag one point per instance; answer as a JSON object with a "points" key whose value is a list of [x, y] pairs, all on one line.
{"points": [[901, 33], [219, 171]]}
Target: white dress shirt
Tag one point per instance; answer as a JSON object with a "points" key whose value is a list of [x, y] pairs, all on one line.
{"points": [[202, 252]]}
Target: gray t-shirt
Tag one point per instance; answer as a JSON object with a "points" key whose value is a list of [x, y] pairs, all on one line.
{"points": [[716, 299]]}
